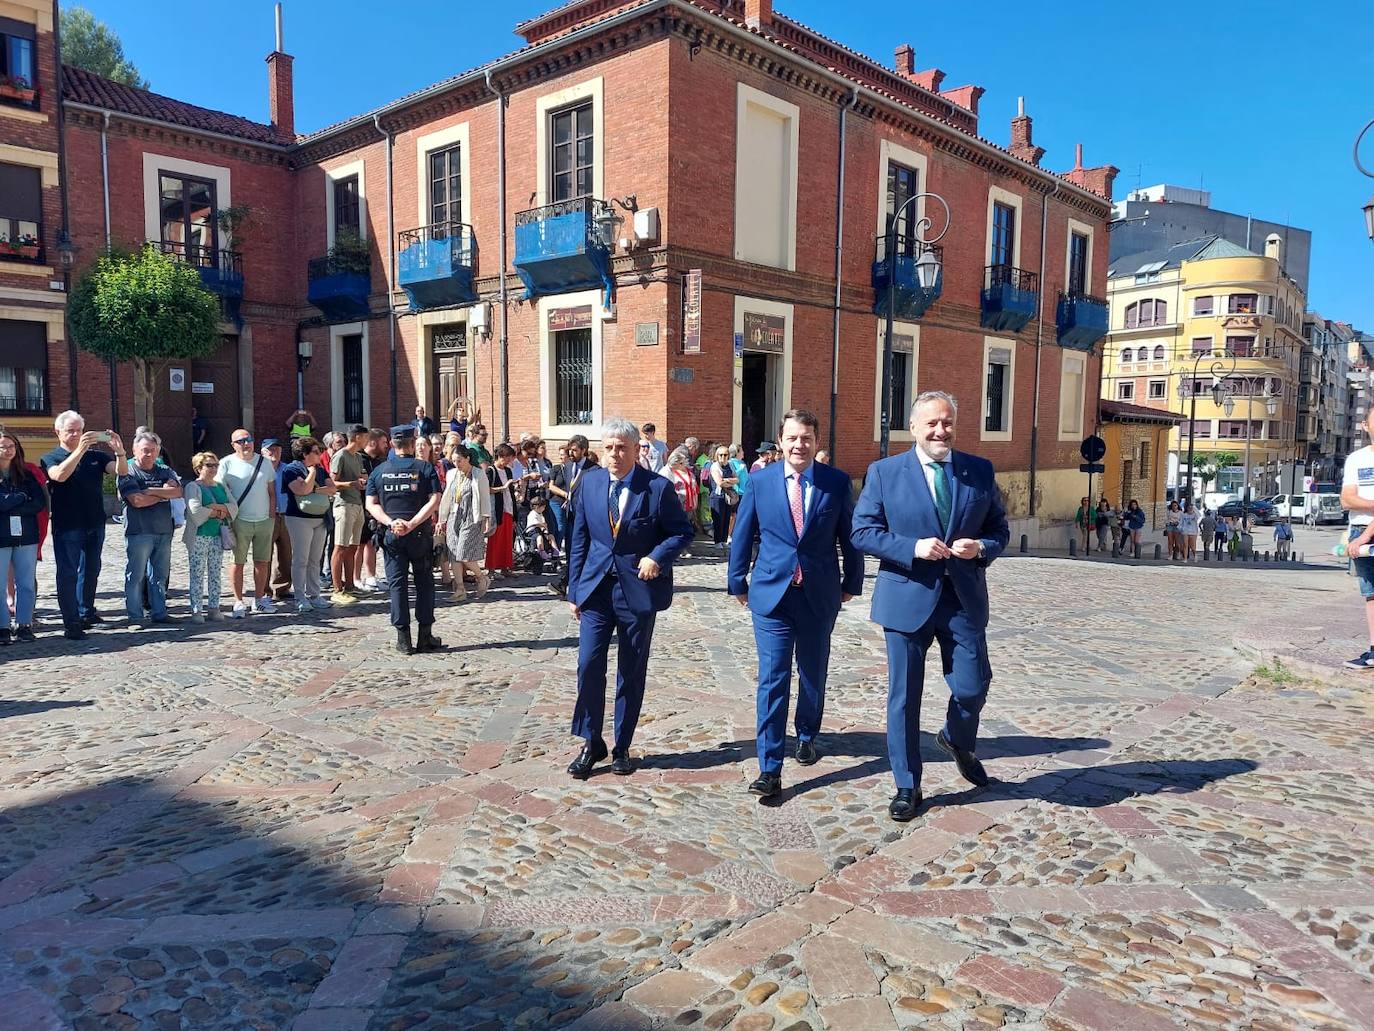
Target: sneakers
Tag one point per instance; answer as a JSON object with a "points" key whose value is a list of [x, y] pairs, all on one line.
{"points": [[321, 603], [241, 610], [343, 598], [304, 608], [1365, 661], [265, 605]]}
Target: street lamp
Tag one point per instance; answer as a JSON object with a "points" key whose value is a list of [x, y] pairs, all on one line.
{"points": [[1219, 368], [1369, 204], [927, 275]]}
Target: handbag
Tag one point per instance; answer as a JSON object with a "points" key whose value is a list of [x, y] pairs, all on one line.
{"points": [[227, 540], [312, 504]]}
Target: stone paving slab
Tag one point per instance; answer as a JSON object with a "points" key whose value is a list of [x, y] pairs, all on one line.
{"points": [[196, 833]]}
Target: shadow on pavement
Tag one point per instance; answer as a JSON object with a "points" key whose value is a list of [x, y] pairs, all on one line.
{"points": [[8, 709]]}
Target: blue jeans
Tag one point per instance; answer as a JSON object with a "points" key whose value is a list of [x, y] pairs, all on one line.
{"points": [[77, 553], [24, 559], [147, 569]]}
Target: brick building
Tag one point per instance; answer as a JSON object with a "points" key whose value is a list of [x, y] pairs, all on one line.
{"points": [[662, 208]]}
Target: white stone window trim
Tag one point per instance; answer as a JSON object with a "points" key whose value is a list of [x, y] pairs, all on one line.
{"points": [[744, 97], [1005, 344], [900, 429], [333, 175]]}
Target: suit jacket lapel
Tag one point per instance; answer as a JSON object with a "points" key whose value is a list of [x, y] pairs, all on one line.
{"points": [[915, 478], [599, 504], [956, 497]]}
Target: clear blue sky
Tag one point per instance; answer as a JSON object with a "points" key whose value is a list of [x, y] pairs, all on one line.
{"points": [[1259, 100]]}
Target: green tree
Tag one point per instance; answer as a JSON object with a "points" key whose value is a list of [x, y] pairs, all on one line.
{"points": [[1210, 464], [145, 307], [91, 44]]}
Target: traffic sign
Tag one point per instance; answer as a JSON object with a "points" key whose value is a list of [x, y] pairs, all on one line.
{"points": [[1092, 467], [1094, 448]]}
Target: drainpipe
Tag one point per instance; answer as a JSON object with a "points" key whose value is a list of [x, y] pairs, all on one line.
{"points": [[64, 234], [390, 260], [1039, 343], [501, 217], [839, 255], [105, 188]]}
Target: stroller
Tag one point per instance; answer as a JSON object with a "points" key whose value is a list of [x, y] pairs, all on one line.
{"points": [[528, 557]]}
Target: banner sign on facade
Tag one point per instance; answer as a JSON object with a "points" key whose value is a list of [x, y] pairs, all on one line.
{"points": [[764, 332], [691, 312], [570, 318]]}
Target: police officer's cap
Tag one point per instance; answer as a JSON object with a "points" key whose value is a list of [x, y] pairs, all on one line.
{"points": [[401, 433]]}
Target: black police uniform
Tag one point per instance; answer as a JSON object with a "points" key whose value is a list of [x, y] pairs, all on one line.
{"points": [[403, 485]]}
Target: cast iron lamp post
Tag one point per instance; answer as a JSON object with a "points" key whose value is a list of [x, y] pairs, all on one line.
{"points": [[927, 275], [1369, 204], [1186, 388]]}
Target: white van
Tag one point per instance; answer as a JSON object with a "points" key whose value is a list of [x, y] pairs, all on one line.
{"points": [[1290, 506], [1323, 508]]}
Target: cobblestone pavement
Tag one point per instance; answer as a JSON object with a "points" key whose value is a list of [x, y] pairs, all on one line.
{"points": [[278, 823]]}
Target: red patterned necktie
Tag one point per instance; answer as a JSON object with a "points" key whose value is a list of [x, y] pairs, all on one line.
{"points": [[795, 497]]}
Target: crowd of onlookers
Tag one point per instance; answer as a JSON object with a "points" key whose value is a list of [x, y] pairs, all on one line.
{"points": [[287, 514], [1184, 526]]}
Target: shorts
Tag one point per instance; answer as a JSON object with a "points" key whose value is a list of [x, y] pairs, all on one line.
{"points": [[348, 524], [1364, 567], [258, 533]]}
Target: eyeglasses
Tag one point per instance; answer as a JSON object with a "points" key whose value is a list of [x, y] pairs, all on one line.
{"points": [[244, 440], [209, 465]]}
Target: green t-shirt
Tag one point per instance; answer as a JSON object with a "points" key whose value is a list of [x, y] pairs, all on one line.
{"points": [[217, 495]]}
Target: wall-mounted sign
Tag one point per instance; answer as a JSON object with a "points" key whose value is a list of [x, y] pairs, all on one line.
{"points": [[646, 334], [449, 338], [202, 388], [739, 348], [691, 312], [176, 379], [570, 318], [764, 332]]}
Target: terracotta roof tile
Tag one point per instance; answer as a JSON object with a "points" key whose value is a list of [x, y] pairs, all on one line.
{"points": [[85, 87]]}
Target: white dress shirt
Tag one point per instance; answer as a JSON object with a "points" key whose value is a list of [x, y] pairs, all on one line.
{"points": [[624, 497], [928, 467]]}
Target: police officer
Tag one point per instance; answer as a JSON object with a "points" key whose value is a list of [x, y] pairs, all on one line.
{"points": [[402, 495]]}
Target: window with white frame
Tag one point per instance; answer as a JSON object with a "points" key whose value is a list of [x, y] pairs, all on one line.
{"points": [[997, 390], [1203, 306], [1147, 313], [1159, 352], [1202, 345], [1242, 304], [1125, 391], [1072, 378], [1158, 389]]}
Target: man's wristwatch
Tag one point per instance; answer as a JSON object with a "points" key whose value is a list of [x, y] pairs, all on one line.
{"points": [[982, 550]]}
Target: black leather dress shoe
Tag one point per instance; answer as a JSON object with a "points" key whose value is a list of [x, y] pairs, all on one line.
{"points": [[904, 804], [403, 644], [807, 752], [768, 785], [427, 642], [75, 633], [592, 753], [621, 764], [969, 766]]}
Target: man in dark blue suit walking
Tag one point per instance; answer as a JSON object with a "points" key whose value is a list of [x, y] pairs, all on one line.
{"points": [[934, 518], [627, 528], [798, 512]]}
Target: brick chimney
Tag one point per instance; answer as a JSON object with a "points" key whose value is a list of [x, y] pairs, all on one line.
{"points": [[966, 97], [280, 100], [758, 13], [1021, 143], [1095, 180], [906, 68]]}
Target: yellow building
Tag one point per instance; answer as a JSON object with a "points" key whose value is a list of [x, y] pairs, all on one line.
{"points": [[1202, 313]]}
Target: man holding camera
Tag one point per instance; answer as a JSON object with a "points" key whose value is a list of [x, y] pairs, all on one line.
{"points": [[76, 471]]}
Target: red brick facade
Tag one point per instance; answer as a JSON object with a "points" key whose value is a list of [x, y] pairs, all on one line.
{"points": [[669, 82]]}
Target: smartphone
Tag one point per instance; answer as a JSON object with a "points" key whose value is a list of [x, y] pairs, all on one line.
{"points": [[103, 437]]}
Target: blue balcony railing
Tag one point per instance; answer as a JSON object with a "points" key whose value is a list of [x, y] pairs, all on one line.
{"points": [[436, 265], [1081, 320], [221, 271], [909, 299], [562, 247], [340, 285], [1010, 298]]}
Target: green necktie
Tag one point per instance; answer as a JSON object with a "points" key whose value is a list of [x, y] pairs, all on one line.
{"points": [[942, 498]]}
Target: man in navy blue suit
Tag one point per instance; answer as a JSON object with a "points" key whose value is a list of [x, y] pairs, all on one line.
{"points": [[627, 528], [933, 517], [798, 512]]}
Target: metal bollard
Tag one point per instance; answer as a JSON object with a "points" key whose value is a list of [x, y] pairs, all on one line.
{"points": [[1116, 550], [1266, 556], [1159, 552], [1254, 557], [1073, 547], [1025, 543]]}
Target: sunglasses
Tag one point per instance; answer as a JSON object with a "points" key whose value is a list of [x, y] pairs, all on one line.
{"points": [[244, 440], [210, 465]]}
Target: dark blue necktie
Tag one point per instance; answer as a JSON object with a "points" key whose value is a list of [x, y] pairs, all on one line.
{"points": [[617, 486]]}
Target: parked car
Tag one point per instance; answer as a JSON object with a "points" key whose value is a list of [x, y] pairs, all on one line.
{"points": [[1323, 508], [1260, 510], [1290, 506]]}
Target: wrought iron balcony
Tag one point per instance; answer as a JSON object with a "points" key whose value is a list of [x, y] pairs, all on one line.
{"points": [[21, 244], [1010, 298], [221, 271], [563, 247], [436, 265], [340, 284], [909, 298], [1082, 320]]}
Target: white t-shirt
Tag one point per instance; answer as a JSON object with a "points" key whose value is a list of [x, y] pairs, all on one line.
{"points": [[234, 473], [1359, 472]]}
